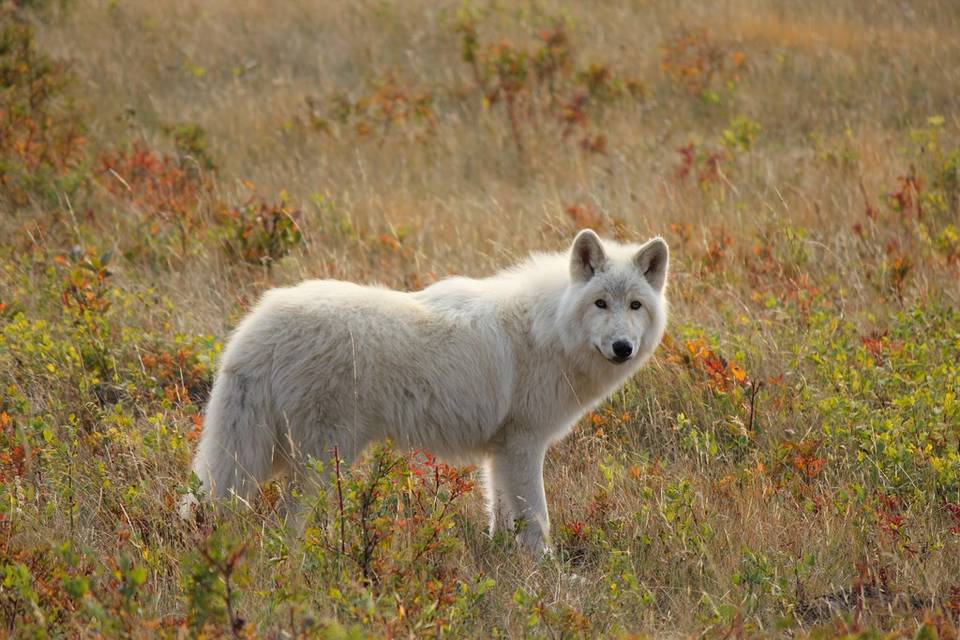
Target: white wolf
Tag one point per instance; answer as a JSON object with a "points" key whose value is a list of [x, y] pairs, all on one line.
{"points": [[489, 371]]}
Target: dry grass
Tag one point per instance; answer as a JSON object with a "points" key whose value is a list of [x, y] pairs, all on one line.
{"points": [[776, 266]]}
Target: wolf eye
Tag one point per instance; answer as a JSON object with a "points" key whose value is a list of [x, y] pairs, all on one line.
{"points": [[635, 305], [601, 303]]}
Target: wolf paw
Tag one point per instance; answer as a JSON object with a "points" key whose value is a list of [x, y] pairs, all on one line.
{"points": [[189, 506], [573, 580]]}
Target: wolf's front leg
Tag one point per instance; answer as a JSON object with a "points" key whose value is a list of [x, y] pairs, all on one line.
{"points": [[499, 506], [517, 479]]}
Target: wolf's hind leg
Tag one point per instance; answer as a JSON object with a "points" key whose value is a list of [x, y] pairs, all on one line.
{"points": [[233, 472], [237, 451]]}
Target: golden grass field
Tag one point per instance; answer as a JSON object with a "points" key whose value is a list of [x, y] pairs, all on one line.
{"points": [[788, 464]]}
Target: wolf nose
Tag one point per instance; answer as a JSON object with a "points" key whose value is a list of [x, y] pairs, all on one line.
{"points": [[622, 349]]}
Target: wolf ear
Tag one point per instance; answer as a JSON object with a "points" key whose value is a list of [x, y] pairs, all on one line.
{"points": [[652, 260], [587, 256]]}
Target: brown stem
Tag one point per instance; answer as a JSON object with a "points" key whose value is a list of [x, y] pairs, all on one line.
{"points": [[514, 124], [754, 390], [336, 461]]}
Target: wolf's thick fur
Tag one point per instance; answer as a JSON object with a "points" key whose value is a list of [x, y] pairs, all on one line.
{"points": [[489, 371]]}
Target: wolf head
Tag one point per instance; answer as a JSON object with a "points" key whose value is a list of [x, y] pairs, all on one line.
{"points": [[615, 305]]}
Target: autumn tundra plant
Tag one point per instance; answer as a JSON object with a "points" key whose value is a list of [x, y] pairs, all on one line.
{"points": [[390, 105], [700, 64], [542, 85], [41, 133]]}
